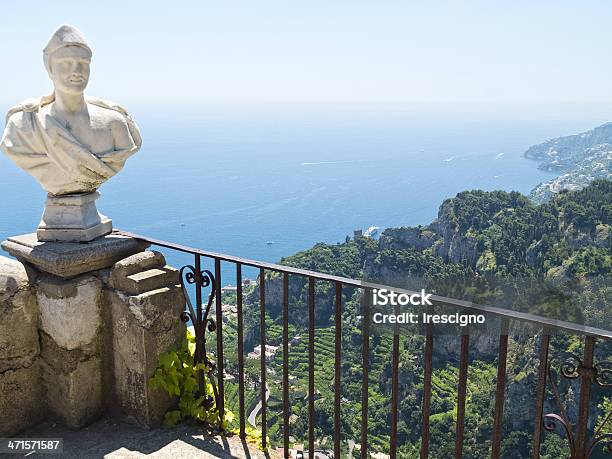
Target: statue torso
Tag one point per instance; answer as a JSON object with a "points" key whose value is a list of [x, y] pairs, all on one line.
{"points": [[93, 129], [72, 153]]}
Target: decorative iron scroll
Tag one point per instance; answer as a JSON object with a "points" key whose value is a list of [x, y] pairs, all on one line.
{"points": [[573, 368], [200, 279], [603, 374]]}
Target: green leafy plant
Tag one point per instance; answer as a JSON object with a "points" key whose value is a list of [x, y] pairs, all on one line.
{"points": [[176, 374]]}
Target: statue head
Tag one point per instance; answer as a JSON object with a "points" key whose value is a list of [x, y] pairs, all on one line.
{"points": [[67, 57]]}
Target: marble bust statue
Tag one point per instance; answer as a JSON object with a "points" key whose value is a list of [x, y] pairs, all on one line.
{"points": [[70, 143]]}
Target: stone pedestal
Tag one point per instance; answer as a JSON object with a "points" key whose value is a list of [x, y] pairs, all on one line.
{"points": [[82, 331], [71, 330], [146, 304], [73, 218], [70, 259]]}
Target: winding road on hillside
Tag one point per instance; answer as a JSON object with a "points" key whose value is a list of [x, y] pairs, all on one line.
{"points": [[257, 409]]}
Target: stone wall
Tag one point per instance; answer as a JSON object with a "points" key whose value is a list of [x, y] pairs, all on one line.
{"points": [[21, 388], [74, 348]]}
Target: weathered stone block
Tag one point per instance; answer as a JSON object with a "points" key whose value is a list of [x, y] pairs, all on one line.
{"points": [[148, 280], [70, 310], [75, 397], [133, 264], [21, 393], [13, 277], [18, 317], [21, 399], [71, 333], [149, 307], [18, 330], [144, 326], [69, 259], [62, 360]]}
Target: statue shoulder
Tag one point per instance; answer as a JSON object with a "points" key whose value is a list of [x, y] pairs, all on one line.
{"points": [[114, 109], [30, 105], [106, 115], [17, 113], [117, 113]]}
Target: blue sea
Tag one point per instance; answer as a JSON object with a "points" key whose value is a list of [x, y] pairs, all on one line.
{"points": [[266, 181]]}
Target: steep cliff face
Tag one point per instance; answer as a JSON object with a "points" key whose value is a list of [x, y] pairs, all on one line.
{"points": [[458, 248], [442, 236], [400, 238], [507, 233], [451, 246]]}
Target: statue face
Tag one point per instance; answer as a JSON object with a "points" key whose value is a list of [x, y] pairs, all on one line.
{"points": [[69, 69]]}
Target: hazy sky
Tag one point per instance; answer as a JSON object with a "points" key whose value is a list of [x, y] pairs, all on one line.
{"points": [[321, 50]]}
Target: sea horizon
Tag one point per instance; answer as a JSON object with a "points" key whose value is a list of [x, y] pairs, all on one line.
{"points": [[266, 181]]}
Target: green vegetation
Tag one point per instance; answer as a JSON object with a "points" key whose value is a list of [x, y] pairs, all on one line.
{"points": [[176, 374], [492, 247]]}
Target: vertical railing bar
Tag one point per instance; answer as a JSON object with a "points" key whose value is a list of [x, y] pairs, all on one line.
{"points": [[500, 391], [586, 379], [394, 387], [540, 395], [337, 369], [461, 394], [240, 349], [262, 358], [427, 370], [365, 363], [220, 363], [311, 364], [286, 365], [199, 327]]}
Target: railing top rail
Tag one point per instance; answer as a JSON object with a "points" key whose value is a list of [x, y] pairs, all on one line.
{"points": [[545, 322], [249, 262]]}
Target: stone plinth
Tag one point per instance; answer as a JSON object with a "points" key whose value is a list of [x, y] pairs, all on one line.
{"points": [[77, 345], [146, 304], [73, 218], [70, 259], [71, 333]]}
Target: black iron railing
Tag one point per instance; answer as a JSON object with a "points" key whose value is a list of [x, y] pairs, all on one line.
{"points": [[582, 368]]}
